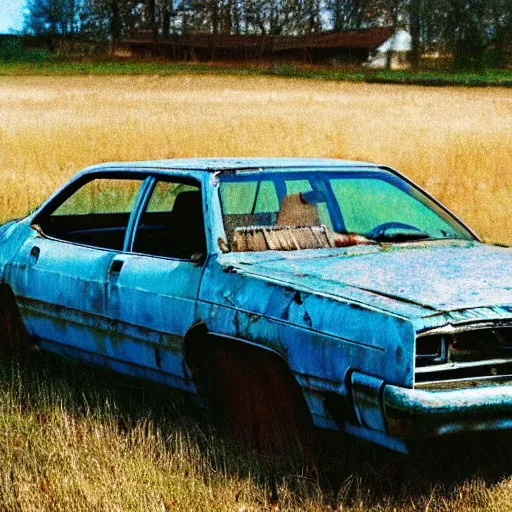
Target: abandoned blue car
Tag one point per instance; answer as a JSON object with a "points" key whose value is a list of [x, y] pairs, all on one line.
{"points": [[283, 293]]}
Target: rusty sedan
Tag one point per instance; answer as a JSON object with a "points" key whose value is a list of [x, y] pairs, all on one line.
{"points": [[284, 293]]}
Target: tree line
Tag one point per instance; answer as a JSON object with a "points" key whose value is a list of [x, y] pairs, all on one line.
{"points": [[476, 32]]}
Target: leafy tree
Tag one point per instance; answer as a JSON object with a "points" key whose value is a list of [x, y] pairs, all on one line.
{"points": [[54, 17], [474, 31]]}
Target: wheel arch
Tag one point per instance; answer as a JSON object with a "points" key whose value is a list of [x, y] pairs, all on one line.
{"points": [[200, 344]]}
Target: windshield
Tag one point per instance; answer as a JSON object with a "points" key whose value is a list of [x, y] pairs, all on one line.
{"points": [[315, 209]]}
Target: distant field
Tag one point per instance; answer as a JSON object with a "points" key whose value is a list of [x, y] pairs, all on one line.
{"points": [[455, 142]]}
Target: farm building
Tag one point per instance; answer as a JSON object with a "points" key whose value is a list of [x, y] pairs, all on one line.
{"points": [[200, 46], [392, 53], [374, 47]]}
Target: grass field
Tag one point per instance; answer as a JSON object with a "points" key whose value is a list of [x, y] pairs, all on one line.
{"points": [[70, 439], [74, 439], [455, 142]]}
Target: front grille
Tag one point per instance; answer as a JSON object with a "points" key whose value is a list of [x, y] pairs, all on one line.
{"points": [[469, 353]]}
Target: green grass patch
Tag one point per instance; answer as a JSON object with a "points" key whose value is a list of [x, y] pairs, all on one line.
{"points": [[52, 67]]}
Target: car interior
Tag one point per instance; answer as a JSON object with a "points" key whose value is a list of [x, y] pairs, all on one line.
{"points": [[178, 233], [105, 230]]}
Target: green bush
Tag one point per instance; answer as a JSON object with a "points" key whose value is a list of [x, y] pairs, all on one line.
{"points": [[12, 49]]}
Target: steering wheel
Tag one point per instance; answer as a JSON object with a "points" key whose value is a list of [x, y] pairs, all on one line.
{"points": [[381, 229]]}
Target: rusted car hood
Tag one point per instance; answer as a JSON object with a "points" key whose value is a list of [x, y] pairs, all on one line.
{"points": [[439, 276]]}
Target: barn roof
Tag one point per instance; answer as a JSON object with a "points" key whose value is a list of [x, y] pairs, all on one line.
{"points": [[206, 40], [368, 39]]}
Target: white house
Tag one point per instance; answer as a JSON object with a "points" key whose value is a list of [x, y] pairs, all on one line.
{"points": [[391, 53]]}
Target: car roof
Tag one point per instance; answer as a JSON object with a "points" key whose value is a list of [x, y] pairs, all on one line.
{"points": [[233, 164]]}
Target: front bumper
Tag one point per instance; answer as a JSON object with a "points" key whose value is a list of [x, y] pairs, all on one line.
{"points": [[415, 414], [419, 414]]}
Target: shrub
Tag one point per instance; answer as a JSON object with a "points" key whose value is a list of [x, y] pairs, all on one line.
{"points": [[12, 49]]}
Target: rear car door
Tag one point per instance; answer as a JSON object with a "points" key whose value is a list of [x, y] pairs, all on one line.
{"points": [[153, 286], [59, 274]]}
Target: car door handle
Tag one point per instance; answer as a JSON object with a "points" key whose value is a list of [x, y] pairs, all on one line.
{"points": [[34, 255]]}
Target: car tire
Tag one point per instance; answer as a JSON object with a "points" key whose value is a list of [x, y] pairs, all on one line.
{"points": [[257, 398], [14, 339]]}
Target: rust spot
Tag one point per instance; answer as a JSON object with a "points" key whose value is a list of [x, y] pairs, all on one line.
{"points": [[223, 246], [350, 239]]}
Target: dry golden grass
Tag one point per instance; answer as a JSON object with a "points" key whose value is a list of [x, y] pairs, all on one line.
{"points": [[74, 439], [455, 142]]}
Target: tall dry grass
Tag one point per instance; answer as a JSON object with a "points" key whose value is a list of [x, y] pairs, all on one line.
{"points": [[455, 142], [74, 439]]}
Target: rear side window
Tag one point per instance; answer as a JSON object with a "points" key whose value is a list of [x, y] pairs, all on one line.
{"points": [[96, 214], [101, 196]]}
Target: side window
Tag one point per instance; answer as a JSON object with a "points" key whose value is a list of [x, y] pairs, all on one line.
{"points": [[96, 214], [172, 225], [164, 196]]}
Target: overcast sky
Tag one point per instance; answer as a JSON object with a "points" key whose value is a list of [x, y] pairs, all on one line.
{"points": [[11, 15]]}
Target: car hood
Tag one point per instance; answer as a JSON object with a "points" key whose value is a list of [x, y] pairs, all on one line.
{"points": [[437, 275]]}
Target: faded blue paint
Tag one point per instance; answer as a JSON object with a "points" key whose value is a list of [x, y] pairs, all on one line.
{"points": [[233, 164], [366, 393], [417, 278], [464, 316], [345, 320]]}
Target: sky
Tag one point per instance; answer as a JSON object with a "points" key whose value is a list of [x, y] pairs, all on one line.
{"points": [[11, 15]]}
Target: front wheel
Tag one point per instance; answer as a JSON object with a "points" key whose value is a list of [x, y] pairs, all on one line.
{"points": [[260, 401]]}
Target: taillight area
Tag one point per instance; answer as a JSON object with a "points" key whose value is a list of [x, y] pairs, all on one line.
{"points": [[472, 353]]}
